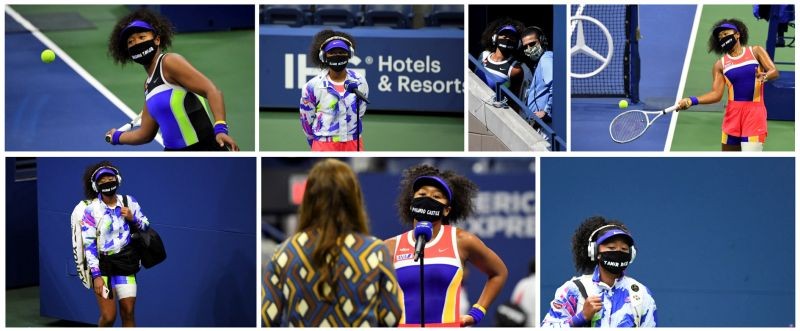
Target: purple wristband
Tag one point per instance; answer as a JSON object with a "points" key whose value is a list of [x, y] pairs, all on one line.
{"points": [[115, 137], [220, 128], [694, 100], [578, 320], [477, 315]]}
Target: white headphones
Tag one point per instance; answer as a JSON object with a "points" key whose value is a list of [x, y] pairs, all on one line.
{"points": [[593, 246], [94, 181], [494, 36], [321, 46]]}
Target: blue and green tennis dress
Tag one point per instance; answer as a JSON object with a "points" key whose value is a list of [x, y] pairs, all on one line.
{"points": [[182, 116]]}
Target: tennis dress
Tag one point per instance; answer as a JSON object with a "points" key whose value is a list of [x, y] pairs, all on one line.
{"points": [[443, 274], [181, 115], [627, 303], [745, 115]]}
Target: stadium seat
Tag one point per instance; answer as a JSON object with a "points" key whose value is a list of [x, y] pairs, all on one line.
{"points": [[395, 16], [508, 165], [345, 16], [291, 15], [446, 15]]}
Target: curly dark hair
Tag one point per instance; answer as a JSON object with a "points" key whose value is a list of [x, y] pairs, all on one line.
{"points": [[464, 190], [320, 37], [580, 241], [88, 191], [713, 41], [117, 44], [491, 29]]}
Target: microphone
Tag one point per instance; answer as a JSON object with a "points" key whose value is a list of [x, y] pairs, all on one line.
{"points": [[423, 232], [352, 87]]}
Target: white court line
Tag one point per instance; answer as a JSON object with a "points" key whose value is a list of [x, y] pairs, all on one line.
{"points": [[76, 67], [689, 50]]}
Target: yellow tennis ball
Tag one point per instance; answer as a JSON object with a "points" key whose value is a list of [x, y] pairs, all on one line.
{"points": [[623, 104], [48, 56]]}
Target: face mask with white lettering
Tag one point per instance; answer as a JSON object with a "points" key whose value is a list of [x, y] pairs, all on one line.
{"points": [[337, 63], [727, 43], [615, 262], [427, 209], [108, 188], [144, 52]]}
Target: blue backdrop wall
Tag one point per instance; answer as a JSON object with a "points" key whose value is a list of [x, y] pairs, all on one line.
{"points": [[205, 211], [21, 228], [714, 236]]}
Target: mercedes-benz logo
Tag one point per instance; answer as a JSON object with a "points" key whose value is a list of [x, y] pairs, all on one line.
{"points": [[580, 46]]}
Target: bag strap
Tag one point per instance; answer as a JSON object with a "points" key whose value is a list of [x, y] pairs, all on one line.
{"points": [[581, 288]]}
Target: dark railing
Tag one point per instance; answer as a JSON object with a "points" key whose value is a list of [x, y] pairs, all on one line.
{"points": [[556, 142]]}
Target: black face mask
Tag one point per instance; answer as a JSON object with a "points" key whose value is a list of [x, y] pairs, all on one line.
{"points": [[108, 188], [427, 209], [143, 52], [507, 46], [727, 43], [615, 262], [337, 63]]}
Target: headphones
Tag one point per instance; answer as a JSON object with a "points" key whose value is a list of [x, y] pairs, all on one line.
{"points": [[592, 248], [540, 34], [519, 39], [352, 51], [94, 180]]}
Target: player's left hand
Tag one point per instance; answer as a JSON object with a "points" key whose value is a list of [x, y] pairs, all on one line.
{"points": [[762, 77], [109, 134], [467, 320], [226, 140], [126, 213], [685, 103]]}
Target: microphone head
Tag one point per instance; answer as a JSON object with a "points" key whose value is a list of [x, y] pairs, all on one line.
{"points": [[425, 229], [352, 86]]}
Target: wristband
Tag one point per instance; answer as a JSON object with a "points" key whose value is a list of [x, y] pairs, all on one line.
{"points": [[578, 320], [477, 312], [220, 127], [694, 100], [115, 137]]}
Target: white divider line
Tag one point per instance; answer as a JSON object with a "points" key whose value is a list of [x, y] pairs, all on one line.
{"points": [[76, 67], [686, 61]]}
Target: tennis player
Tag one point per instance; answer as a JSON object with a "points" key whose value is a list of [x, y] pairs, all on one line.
{"points": [[330, 109], [177, 96], [451, 196], [603, 296], [744, 70], [110, 253], [502, 42]]}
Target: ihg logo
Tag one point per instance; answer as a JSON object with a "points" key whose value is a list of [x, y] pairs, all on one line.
{"points": [[304, 73]]}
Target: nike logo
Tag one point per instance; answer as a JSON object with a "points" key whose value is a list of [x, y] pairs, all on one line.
{"points": [[442, 250], [405, 249]]}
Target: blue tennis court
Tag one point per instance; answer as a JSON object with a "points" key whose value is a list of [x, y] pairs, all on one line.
{"points": [[664, 32], [49, 107]]}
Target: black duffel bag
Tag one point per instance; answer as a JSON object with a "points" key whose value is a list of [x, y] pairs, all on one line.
{"points": [[148, 243]]}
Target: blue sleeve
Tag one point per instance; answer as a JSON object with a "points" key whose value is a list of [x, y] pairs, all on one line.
{"points": [[308, 106], [139, 218], [389, 309], [547, 77], [650, 316], [564, 310], [273, 302]]}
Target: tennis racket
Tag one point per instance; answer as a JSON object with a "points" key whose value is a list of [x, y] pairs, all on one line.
{"points": [[632, 124], [136, 121]]}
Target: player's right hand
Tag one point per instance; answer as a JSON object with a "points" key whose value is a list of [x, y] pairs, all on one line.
{"points": [[592, 305], [98, 285], [685, 103], [109, 134]]}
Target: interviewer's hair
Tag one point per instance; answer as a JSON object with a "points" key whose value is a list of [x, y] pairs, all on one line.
{"points": [[332, 208]]}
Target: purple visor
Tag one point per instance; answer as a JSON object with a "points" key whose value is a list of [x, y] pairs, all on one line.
{"points": [[615, 232], [724, 26], [509, 28], [433, 181], [336, 43], [137, 24], [104, 172]]}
